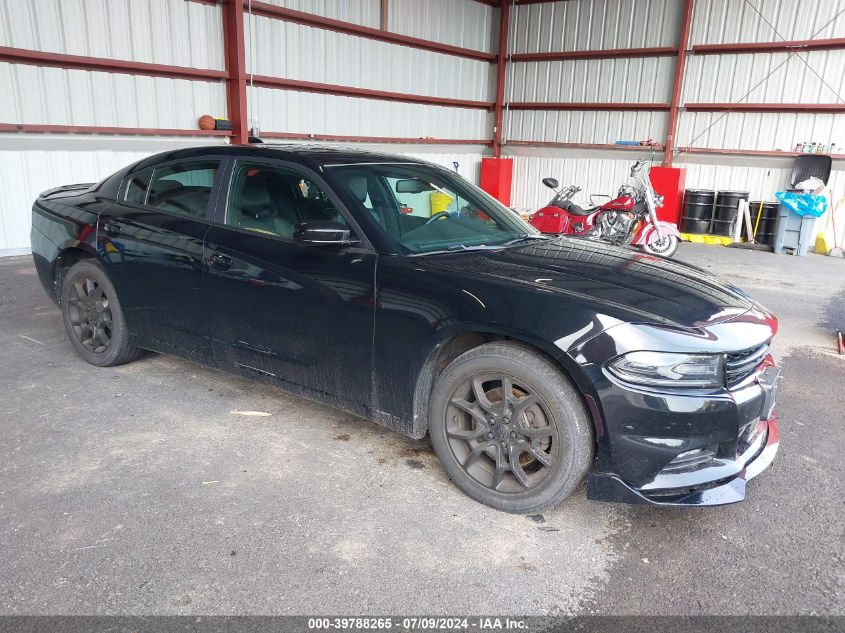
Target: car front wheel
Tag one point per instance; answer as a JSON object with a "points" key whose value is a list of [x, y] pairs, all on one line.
{"points": [[93, 318], [509, 428]]}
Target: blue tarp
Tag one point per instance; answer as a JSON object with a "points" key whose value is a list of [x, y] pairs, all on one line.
{"points": [[803, 203]]}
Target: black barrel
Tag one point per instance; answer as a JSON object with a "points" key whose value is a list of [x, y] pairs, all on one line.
{"points": [[724, 214], [698, 210], [768, 219]]}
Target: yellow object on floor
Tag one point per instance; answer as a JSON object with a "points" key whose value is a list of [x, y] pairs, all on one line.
{"points": [[821, 244], [699, 238]]}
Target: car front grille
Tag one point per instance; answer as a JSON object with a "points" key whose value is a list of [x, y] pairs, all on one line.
{"points": [[741, 365]]}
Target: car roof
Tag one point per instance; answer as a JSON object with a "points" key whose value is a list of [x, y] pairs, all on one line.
{"points": [[306, 154]]}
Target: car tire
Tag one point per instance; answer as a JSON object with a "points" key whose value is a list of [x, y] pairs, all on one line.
{"points": [[665, 247], [93, 318], [510, 429]]}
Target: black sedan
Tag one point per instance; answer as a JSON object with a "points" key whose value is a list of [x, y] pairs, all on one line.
{"points": [[395, 290]]}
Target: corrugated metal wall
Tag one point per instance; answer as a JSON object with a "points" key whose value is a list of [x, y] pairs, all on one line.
{"points": [[594, 172], [456, 22], [57, 96], [727, 21], [363, 12], [579, 25], [603, 24], [308, 113], [156, 31], [293, 51], [604, 172], [176, 32], [172, 32]]}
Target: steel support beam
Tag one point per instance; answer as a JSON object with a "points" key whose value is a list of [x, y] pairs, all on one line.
{"points": [[789, 46], [749, 152], [501, 79], [235, 53], [309, 19], [593, 146], [791, 108], [609, 53], [677, 83], [265, 81], [373, 139], [97, 129], [80, 62], [576, 105]]}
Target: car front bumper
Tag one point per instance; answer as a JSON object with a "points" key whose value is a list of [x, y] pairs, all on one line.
{"points": [[680, 490]]}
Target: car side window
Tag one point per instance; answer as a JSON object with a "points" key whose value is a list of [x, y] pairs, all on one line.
{"points": [[274, 200], [137, 187], [182, 188]]}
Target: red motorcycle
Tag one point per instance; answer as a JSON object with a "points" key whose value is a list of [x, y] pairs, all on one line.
{"points": [[628, 219]]}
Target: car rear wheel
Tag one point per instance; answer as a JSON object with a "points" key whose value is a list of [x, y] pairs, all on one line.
{"points": [[509, 428], [93, 318]]}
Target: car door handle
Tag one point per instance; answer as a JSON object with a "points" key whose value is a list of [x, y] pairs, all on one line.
{"points": [[112, 229], [220, 262]]}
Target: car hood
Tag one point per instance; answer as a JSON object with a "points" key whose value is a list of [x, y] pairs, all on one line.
{"points": [[622, 283]]}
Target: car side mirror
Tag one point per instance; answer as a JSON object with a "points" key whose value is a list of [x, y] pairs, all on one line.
{"points": [[412, 185], [324, 233], [551, 183]]}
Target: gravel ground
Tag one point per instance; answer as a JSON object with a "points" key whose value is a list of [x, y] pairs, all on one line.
{"points": [[137, 490]]}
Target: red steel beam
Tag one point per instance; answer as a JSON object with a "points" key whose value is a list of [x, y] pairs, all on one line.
{"points": [[555, 144], [609, 53], [769, 47], [234, 50], [309, 19], [748, 152], [80, 62], [524, 2], [501, 67], [96, 129], [586, 106], [265, 81], [677, 82], [829, 108], [373, 139]]}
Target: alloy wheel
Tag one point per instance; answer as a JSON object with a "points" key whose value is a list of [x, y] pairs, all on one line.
{"points": [[90, 315], [501, 433]]}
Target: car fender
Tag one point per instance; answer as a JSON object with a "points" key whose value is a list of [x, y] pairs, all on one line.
{"points": [[569, 366], [647, 232]]}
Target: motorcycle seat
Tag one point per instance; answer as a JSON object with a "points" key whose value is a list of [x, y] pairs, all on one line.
{"points": [[574, 209]]}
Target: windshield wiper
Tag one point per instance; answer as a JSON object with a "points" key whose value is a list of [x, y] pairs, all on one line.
{"points": [[527, 237], [477, 247], [459, 248]]}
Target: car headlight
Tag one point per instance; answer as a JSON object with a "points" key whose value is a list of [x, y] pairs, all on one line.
{"points": [[662, 369]]}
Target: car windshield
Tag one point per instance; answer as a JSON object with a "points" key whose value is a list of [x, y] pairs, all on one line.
{"points": [[427, 209]]}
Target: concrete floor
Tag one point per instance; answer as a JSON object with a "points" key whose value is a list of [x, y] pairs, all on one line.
{"points": [[140, 490]]}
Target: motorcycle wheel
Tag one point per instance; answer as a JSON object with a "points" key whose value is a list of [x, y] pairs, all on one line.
{"points": [[664, 247]]}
